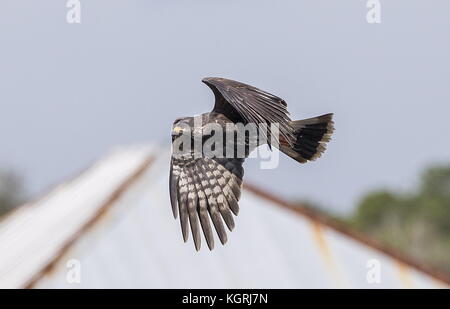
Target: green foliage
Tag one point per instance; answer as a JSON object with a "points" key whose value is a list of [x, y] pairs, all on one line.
{"points": [[10, 192], [417, 224]]}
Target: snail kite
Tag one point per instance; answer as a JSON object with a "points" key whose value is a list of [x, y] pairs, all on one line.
{"points": [[205, 188]]}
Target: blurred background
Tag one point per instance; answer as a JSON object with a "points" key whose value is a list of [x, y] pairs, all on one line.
{"points": [[70, 92]]}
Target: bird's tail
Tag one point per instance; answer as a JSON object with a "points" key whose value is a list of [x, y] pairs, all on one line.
{"points": [[311, 136]]}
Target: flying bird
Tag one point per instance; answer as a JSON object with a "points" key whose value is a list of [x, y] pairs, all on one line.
{"points": [[205, 188]]}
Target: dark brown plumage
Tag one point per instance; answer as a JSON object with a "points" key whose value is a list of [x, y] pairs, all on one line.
{"points": [[205, 189]]}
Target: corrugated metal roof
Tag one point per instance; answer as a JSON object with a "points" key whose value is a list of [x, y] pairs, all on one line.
{"points": [[116, 221]]}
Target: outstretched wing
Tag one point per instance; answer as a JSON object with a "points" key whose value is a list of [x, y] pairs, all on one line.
{"points": [[202, 189], [244, 103]]}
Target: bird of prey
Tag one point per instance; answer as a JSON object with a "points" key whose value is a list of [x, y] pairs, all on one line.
{"points": [[207, 188]]}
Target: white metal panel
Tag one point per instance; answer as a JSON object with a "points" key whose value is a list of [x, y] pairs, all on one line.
{"points": [[32, 236], [138, 244]]}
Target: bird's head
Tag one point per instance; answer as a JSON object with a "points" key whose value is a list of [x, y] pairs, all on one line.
{"points": [[180, 125]]}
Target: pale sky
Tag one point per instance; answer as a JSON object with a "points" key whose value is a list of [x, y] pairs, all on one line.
{"points": [[71, 92]]}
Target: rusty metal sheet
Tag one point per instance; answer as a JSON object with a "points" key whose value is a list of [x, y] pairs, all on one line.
{"points": [[137, 244]]}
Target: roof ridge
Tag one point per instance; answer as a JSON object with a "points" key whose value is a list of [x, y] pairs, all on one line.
{"points": [[320, 218]]}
